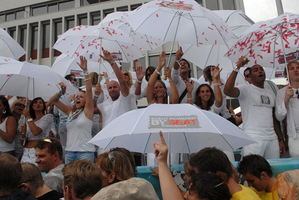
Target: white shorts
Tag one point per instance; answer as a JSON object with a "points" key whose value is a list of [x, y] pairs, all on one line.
{"points": [[269, 149]]}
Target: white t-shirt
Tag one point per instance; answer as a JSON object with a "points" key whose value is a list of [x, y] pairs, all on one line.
{"points": [[291, 112], [256, 105], [5, 146], [112, 109]]}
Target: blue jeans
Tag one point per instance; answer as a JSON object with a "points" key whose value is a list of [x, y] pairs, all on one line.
{"points": [[77, 155]]}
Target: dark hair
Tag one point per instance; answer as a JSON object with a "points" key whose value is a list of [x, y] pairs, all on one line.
{"points": [[247, 68], [255, 165], [151, 69], [188, 66], [7, 108], [10, 172], [68, 77], [207, 72], [54, 146], [211, 159], [209, 186], [198, 101], [83, 177], [31, 111]]}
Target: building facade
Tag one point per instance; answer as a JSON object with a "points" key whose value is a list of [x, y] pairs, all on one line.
{"points": [[36, 24]]}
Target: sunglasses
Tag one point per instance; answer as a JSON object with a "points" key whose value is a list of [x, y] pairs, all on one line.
{"points": [[247, 76], [125, 74], [50, 146], [297, 93], [111, 156], [21, 105]]}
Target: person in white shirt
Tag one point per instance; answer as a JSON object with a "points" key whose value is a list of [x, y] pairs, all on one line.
{"points": [[287, 106]]}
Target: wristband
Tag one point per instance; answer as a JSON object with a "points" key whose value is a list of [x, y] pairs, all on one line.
{"points": [[29, 120], [56, 96], [86, 79], [61, 92], [217, 84], [157, 71], [112, 63], [139, 81], [85, 73], [236, 69]]}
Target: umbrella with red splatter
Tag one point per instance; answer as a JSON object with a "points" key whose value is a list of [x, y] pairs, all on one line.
{"points": [[271, 43], [89, 40], [179, 21]]}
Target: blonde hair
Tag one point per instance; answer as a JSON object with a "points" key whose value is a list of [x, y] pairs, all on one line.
{"points": [[13, 105], [130, 81]]}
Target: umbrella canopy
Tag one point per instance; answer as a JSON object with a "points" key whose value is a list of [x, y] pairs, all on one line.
{"points": [[118, 20], [30, 80], [65, 65], [213, 54], [179, 20], [269, 43], [9, 47], [89, 40], [186, 128]]}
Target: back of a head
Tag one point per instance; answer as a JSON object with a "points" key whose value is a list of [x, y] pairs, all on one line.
{"points": [[83, 177], [117, 162], [32, 175], [211, 159], [255, 165], [131, 189], [209, 186], [94, 77], [207, 72], [10, 173]]}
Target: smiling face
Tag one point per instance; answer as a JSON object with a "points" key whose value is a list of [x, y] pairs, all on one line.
{"points": [[159, 89], [205, 93], [19, 107], [45, 161], [80, 100], [184, 69]]}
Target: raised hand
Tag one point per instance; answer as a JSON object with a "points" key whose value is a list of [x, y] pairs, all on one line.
{"points": [[215, 73], [63, 87], [242, 61], [161, 150], [83, 63], [179, 53], [139, 73], [162, 59], [189, 85], [107, 56]]}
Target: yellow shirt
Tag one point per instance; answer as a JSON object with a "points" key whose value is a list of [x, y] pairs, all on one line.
{"points": [[267, 195], [245, 194]]}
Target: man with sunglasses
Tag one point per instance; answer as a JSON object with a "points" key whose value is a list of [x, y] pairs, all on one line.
{"points": [[258, 106], [48, 154], [287, 104]]}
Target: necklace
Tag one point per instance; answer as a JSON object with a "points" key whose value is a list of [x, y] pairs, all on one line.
{"points": [[69, 119]]}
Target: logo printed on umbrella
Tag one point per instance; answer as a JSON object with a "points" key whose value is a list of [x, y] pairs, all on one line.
{"points": [[179, 6], [173, 122]]}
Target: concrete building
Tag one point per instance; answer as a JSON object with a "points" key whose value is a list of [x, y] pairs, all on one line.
{"points": [[36, 24]]}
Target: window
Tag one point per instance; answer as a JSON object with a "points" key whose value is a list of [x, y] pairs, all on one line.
{"points": [[23, 40], [108, 11], [134, 6], [87, 2], [34, 40], [82, 19], [199, 1], [20, 14], [10, 16], [95, 18], [45, 39], [123, 8], [212, 4], [57, 32], [66, 5], [70, 23], [39, 10], [228, 4], [53, 8], [12, 32], [2, 18]]}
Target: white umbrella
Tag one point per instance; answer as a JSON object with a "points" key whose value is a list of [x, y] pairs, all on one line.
{"points": [[9, 47], [118, 20], [30, 80], [186, 128], [89, 40], [65, 65], [213, 54]]}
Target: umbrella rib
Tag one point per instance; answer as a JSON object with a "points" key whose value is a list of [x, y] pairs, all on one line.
{"points": [[209, 55], [187, 142], [6, 81], [170, 25], [191, 18], [147, 141]]}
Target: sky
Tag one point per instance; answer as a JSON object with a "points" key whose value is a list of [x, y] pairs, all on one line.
{"points": [[260, 10]]}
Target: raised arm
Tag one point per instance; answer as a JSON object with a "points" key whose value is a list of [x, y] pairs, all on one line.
{"points": [[178, 55], [151, 82], [215, 73], [124, 88], [190, 87], [173, 89], [169, 189], [139, 75], [229, 88], [88, 108], [55, 100]]}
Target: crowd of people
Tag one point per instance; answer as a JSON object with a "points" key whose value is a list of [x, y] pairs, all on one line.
{"points": [[32, 140]]}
